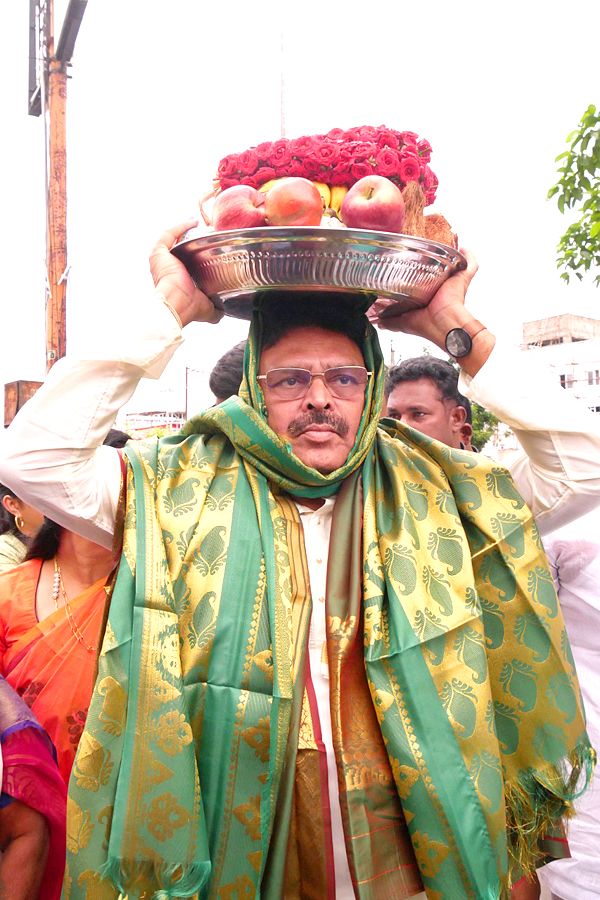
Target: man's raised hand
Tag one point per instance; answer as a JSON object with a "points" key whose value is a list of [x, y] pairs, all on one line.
{"points": [[446, 310], [174, 283]]}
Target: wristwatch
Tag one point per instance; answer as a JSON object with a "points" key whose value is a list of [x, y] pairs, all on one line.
{"points": [[459, 341]]}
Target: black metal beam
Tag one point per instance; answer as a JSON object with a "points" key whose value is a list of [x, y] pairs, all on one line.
{"points": [[35, 102], [69, 31], [34, 96]]}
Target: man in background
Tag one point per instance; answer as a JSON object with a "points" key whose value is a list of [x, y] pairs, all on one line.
{"points": [[423, 392], [226, 376]]}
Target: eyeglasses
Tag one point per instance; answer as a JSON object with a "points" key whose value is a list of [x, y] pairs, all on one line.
{"points": [[343, 382]]}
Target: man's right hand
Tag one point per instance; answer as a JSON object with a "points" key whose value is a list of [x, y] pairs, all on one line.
{"points": [[174, 283]]}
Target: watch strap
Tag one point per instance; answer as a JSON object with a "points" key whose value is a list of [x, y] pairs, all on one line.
{"points": [[473, 328]]}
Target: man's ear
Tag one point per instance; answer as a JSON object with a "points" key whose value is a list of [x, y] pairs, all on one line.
{"points": [[458, 417]]}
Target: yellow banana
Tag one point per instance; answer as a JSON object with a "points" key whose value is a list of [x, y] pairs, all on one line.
{"points": [[268, 184], [338, 192], [325, 193]]}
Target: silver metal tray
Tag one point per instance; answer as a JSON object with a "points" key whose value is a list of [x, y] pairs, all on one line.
{"points": [[232, 267]]}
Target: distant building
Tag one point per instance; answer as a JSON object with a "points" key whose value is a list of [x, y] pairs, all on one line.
{"points": [[145, 424], [162, 410], [569, 347], [555, 330]]}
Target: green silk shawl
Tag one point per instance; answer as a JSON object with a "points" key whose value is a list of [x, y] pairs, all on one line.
{"points": [[437, 584]]}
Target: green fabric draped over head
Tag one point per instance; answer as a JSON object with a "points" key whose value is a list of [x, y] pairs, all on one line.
{"points": [[456, 718]]}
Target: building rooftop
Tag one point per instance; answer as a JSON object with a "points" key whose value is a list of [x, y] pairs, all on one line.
{"points": [[564, 329]]}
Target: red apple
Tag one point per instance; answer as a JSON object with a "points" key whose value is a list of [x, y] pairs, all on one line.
{"points": [[294, 201], [375, 203], [240, 206]]}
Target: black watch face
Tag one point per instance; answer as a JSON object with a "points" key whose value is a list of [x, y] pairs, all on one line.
{"points": [[458, 342]]}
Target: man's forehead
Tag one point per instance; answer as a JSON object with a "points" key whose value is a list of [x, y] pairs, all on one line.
{"points": [[424, 388], [304, 343]]}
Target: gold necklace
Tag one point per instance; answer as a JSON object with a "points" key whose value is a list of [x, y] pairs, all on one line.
{"points": [[56, 591]]}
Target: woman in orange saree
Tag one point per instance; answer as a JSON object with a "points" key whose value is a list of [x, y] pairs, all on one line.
{"points": [[51, 613]]}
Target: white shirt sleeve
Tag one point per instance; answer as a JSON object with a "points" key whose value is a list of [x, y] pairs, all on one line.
{"points": [[558, 474], [52, 455]]}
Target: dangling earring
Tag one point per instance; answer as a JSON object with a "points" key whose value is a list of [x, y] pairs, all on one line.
{"points": [[20, 522], [263, 410]]}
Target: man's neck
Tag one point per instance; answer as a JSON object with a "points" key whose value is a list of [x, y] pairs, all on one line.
{"points": [[311, 502]]}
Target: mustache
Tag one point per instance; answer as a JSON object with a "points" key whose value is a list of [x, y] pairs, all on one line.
{"points": [[318, 417]]}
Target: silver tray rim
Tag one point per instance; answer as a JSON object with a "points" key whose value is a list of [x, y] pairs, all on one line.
{"points": [[237, 302], [385, 240]]}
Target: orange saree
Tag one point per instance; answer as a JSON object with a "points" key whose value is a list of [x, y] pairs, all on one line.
{"points": [[44, 662]]}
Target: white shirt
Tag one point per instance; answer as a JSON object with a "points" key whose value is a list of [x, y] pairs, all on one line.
{"points": [[558, 471], [574, 555], [317, 530]]}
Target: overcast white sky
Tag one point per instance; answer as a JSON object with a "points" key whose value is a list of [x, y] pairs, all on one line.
{"points": [[161, 91]]}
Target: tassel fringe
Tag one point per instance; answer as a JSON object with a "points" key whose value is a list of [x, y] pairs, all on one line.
{"points": [[537, 803], [166, 882]]}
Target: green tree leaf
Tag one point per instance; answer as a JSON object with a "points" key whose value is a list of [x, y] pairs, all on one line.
{"points": [[484, 425], [578, 187]]}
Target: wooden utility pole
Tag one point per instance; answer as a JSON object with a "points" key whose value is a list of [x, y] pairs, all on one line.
{"points": [[48, 65], [56, 230], [49, 61]]}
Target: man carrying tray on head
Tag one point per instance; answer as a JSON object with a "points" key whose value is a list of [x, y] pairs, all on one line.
{"points": [[333, 664]]}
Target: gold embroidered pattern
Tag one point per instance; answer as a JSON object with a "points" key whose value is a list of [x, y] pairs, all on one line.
{"points": [[165, 816], [258, 737], [79, 827], [249, 816], [173, 732], [306, 734], [93, 763], [114, 707]]}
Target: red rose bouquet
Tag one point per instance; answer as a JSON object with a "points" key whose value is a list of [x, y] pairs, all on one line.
{"points": [[340, 157]]}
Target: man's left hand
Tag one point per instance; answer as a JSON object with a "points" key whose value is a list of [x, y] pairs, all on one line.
{"points": [[445, 310]]}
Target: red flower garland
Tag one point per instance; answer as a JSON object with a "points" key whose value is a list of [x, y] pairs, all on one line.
{"points": [[337, 158]]}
